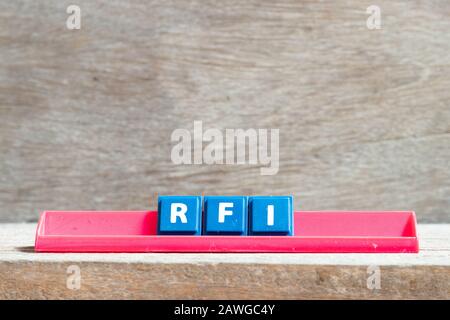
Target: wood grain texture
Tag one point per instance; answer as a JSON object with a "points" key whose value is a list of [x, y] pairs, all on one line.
{"points": [[86, 115], [28, 275]]}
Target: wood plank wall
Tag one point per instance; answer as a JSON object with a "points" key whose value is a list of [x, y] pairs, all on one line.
{"points": [[86, 115]]}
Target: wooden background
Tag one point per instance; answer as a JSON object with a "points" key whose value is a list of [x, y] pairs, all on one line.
{"points": [[86, 115]]}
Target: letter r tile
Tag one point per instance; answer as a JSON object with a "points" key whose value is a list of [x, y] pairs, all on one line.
{"points": [[180, 215]]}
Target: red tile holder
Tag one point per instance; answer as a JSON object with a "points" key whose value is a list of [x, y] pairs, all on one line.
{"points": [[314, 232]]}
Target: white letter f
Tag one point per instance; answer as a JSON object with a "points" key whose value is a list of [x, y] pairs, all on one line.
{"points": [[223, 212]]}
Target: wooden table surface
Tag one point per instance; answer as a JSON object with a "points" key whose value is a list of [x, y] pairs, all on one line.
{"points": [[28, 275]]}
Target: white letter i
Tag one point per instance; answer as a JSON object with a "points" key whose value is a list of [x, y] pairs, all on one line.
{"points": [[270, 215]]}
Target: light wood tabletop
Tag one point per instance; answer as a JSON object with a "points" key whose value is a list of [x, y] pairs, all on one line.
{"points": [[25, 274]]}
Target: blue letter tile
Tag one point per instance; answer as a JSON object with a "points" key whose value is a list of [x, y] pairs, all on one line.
{"points": [[225, 215], [271, 215], [180, 215]]}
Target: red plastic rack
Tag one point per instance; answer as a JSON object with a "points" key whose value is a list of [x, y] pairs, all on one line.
{"points": [[314, 232]]}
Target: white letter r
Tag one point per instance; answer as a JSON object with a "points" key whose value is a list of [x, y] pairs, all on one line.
{"points": [[178, 210]]}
